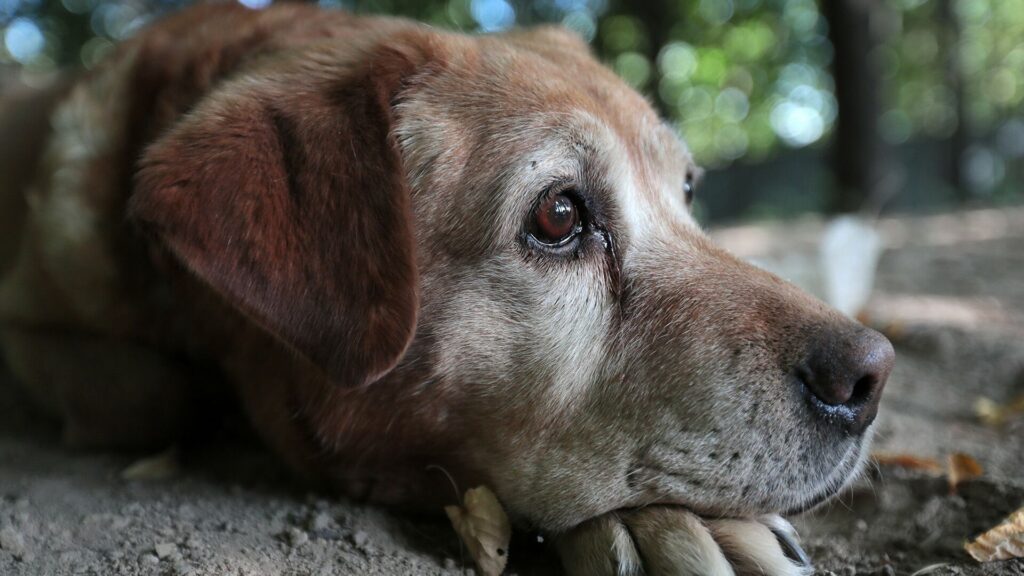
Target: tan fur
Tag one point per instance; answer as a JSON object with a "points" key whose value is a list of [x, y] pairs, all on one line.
{"points": [[329, 211]]}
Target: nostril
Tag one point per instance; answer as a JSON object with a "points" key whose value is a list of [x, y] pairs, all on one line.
{"points": [[822, 384], [863, 389]]}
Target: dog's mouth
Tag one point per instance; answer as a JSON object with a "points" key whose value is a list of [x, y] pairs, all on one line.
{"points": [[814, 501], [672, 485]]}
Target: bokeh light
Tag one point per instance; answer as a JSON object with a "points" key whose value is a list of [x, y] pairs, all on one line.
{"points": [[24, 40]]}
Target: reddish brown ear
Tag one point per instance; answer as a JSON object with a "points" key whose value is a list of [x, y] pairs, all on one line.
{"points": [[289, 199]]}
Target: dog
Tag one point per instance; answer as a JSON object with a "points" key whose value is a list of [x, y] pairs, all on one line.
{"points": [[395, 246]]}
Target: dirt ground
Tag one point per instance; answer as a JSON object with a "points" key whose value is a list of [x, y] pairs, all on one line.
{"points": [[950, 293]]}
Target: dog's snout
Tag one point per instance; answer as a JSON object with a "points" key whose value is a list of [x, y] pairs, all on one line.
{"points": [[845, 374]]}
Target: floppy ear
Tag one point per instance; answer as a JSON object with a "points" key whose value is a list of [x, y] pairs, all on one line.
{"points": [[288, 198]]}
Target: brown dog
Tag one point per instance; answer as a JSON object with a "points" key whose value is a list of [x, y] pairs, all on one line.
{"points": [[401, 247]]}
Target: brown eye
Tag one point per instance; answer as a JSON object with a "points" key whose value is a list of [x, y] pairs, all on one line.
{"points": [[556, 220]]}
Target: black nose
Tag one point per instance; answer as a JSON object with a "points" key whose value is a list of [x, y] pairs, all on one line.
{"points": [[845, 373]]}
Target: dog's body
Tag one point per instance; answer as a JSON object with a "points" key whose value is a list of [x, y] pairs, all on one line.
{"points": [[347, 220]]}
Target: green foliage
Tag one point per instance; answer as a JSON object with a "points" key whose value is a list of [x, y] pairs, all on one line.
{"points": [[742, 79]]}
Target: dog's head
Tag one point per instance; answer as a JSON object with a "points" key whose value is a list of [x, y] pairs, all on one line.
{"points": [[506, 212]]}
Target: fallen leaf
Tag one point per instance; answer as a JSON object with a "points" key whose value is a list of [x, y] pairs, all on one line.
{"points": [[930, 569], [895, 330], [157, 467], [961, 467], [483, 526], [908, 461], [992, 414], [1003, 542]]}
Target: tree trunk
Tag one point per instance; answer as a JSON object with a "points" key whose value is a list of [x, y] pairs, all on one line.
{"points": [[949, 38], [857, 146]]}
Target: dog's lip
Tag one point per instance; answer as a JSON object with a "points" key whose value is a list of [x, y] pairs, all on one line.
{"points": [[846, 471], [841, 475], [814, 501]]}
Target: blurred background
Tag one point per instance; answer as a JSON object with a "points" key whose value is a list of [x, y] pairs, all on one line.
{"points": [[888, 106]]}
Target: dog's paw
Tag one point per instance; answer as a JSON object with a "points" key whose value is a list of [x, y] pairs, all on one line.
{"points": [[662, 541]]}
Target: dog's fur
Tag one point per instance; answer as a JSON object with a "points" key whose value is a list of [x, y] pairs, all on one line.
{"points": [[327, 213]]}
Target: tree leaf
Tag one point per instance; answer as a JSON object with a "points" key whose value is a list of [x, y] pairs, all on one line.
{"points": [[1003, 542], [995, 415], [483, 526], [908, 461], [160, 466], [961, 467]]}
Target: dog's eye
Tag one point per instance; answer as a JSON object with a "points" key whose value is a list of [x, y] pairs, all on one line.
{"points": [[688, 189], [556, 220]]}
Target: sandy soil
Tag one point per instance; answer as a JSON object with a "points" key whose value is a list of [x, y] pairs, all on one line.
{"points": [[950, 293]]}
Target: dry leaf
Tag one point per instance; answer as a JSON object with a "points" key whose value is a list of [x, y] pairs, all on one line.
{"points": [[930, 569], [157, 467], [483, 526], [1003, 542], [895, 330], [909, 462], [961, 468], [992, 414]]}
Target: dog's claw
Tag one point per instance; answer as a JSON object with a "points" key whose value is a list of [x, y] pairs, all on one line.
{"points": [[788, 540], [658, 541]]}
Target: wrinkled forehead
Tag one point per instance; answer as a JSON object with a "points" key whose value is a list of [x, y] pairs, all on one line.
{"points": [[637, 175]]}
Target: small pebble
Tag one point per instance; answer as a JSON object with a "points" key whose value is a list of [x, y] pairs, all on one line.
{"points": [[450, 564], [297, 537], [361, 539], [149, 559], [165, 549], [181, 568], [319, 521], [12, 541]]}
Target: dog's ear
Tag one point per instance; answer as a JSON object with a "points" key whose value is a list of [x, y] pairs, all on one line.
{"points": [[287, 196]]}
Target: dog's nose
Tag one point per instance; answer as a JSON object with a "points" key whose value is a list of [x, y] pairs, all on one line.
{"points": [[845, 376]]}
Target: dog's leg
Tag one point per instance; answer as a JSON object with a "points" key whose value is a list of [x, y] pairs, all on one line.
{"points": [[601, 546], [106, 392], [662, 541]]}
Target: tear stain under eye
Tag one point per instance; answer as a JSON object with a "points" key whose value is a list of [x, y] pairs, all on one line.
{"points": [[613, 269]]}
